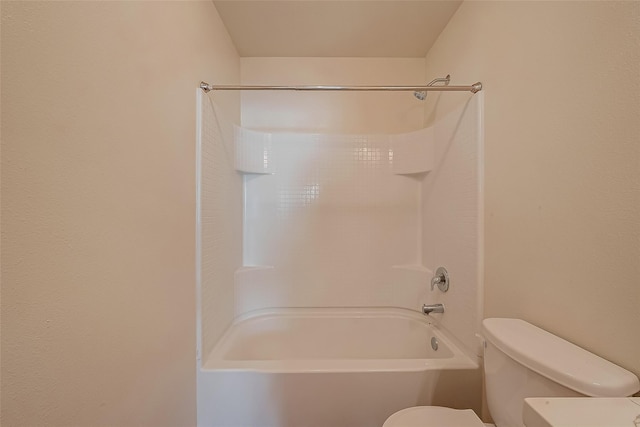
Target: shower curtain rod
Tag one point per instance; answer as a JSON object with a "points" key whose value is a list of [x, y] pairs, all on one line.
{"points": [[476, 87]]}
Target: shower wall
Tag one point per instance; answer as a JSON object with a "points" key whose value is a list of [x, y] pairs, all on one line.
{"points": [[219, 223], [452, 217], [361, 212], [343, 216], [331, 218], [329, 223]]}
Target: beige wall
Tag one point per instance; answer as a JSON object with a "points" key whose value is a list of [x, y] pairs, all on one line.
{"points": [[98, 211], [562, 83]]}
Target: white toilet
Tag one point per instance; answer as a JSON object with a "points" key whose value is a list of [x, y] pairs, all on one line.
{"points": [[522, 360]]}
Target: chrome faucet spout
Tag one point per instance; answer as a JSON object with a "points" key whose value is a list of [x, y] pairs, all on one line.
{"points": [[432, 308]]}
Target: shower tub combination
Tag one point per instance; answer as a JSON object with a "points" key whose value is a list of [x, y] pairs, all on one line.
{"points": [[336, 221], [328, 367]]}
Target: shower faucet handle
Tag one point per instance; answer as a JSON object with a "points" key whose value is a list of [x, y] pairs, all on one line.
{"points": [[441, 279]]}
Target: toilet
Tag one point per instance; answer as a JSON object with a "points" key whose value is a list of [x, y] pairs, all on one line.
{"points": [[522, 360]]}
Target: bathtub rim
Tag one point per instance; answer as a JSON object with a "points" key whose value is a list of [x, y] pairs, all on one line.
{"points": [[460, 360]]}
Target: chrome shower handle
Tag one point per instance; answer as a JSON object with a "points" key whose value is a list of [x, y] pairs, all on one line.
{"points": [[441, 279]]}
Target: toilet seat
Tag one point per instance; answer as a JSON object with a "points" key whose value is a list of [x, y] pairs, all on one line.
{"points": [[433, 416]]}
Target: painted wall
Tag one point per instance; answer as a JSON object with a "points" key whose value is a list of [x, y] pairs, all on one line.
{"points": [[562, 162], [98, 212]]}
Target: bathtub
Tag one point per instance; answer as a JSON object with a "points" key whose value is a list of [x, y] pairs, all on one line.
{"points": [[329, 367]]}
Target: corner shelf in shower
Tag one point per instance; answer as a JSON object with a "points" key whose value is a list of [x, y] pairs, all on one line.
{"points": [[253, 151], [413, 152]]}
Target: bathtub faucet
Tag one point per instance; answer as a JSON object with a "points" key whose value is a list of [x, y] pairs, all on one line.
{"points": [[432, 308]]}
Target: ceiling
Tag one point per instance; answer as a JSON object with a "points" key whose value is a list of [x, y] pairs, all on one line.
{"points": [[355, 28]]}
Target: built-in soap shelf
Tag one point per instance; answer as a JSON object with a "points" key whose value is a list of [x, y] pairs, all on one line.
{"points": [[254, 151], [412, 152]]}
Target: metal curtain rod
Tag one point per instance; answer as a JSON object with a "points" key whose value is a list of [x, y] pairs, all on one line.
{"points": [[476, 87]]}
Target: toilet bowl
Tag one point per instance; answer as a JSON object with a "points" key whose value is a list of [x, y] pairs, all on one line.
{"points": [[522, 360], [436, 416]]}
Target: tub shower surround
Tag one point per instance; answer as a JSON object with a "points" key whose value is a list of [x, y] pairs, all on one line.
{"points": [[335, 221]]}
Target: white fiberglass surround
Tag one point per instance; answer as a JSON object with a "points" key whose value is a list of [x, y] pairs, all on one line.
{"points": [[328, 216], [335, 221], [364, 220]]}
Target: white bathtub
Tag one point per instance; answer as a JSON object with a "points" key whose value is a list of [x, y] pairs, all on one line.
{"points": [[326, 368]]}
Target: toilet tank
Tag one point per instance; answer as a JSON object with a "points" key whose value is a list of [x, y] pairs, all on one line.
{"points": [[522, 360]]}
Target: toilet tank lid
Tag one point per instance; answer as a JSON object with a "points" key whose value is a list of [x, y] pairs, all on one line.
{"points": [[558, 359]]}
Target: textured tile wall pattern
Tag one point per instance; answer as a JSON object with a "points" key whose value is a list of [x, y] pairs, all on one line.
{"points": [[332, 218], [220, 223]]}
